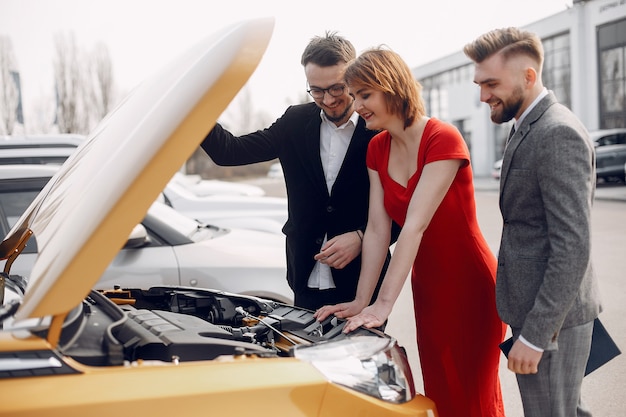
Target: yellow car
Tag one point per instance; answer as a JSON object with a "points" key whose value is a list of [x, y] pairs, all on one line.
{"points": [[66, 350]]}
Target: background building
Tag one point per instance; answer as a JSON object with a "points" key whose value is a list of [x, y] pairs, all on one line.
{"points": [[585, 66]]}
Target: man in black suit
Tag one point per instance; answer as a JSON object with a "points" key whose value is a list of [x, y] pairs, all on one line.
{"points": [[321, 147]]}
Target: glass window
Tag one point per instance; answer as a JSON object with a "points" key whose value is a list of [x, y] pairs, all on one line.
{"points": [[465, 131], [556, 67], [612, 74]]}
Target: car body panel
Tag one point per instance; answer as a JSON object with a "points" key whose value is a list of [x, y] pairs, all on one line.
{"points": [[70, 350], [226, 388], [227, 385]]}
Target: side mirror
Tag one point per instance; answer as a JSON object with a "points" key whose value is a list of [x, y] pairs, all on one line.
{"points": [[138, 237]]}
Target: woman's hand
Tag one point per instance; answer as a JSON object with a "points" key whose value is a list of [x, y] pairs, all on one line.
{"points": [[342, 311], [372, 316]]}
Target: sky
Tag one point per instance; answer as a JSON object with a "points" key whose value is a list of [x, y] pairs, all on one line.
{"points": [[144, 35]]}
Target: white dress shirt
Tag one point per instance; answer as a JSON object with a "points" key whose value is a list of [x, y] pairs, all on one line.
{"points": [[334, 142]]}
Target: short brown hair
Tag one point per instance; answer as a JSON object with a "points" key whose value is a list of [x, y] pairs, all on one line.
{"points": [[507, 41], [328, 50], [384, 70]]}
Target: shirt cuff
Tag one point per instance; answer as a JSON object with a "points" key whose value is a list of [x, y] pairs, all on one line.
{"points": [[530, 345]]}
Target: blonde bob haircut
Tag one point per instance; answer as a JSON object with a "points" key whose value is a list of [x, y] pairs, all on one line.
{"points": [[384, 70]]}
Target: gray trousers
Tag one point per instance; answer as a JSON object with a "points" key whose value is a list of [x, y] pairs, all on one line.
{"points": [[555, 390]]}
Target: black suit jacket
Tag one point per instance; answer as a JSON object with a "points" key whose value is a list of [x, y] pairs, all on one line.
{"points": [[313, 213]]}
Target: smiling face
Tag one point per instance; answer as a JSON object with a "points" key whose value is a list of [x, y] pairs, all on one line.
{"points": [[504, 86], [337, 109], [372, 107]]}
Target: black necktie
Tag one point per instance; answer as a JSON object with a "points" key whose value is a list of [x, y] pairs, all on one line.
{"points": [[511, 133]]}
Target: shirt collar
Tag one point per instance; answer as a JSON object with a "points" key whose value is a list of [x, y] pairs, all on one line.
{"points": [[354, 118], [541, 95]]}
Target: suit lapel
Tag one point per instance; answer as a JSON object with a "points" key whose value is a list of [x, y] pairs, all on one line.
{"points": [[313, 165], [521, 133]]}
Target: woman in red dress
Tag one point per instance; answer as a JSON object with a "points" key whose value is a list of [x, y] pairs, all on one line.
{"points": [[421, 177]]}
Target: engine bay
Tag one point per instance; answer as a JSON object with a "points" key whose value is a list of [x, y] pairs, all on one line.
{"points": [[173, 324]]}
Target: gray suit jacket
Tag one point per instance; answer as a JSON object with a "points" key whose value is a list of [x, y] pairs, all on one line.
{"points": [[545, 280]]}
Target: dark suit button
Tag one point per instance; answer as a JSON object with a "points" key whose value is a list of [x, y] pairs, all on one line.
{"points": [[319, 240], [329, 209]]}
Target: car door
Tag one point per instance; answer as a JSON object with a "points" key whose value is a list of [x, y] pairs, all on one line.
{"points": [[142, 268]]}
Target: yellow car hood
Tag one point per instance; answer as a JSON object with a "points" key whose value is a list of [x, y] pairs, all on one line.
{"points": [[84, 215]]}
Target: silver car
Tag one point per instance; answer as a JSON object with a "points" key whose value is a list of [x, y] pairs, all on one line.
{"points": [[224, 203], [166, 248]]}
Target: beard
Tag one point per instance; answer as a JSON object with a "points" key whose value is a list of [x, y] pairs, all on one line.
{"points": [[510, 107], [341, 116]]}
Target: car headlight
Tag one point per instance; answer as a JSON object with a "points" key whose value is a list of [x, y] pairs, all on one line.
{"points": [[375, 366]]}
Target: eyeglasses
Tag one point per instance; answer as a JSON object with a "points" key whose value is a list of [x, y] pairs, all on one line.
{"points": [[334, 90]]}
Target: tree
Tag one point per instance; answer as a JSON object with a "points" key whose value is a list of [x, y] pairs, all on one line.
{"points": [[101, 82], [10, 97], [239, 117], [69, 86]]}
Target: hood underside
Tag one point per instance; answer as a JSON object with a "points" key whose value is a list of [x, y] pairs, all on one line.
{"points": [[84, 215]]}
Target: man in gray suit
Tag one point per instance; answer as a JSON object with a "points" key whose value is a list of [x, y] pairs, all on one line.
{"points": [[545, 287]]}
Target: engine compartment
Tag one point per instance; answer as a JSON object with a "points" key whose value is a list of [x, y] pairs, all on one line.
{"points": [[173, 324]]}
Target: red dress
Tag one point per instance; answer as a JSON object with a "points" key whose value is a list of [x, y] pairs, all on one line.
{"points": [[453, 282]]}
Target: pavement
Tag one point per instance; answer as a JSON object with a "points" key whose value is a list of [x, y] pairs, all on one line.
{"points": [[604, 191], [614, 191]]}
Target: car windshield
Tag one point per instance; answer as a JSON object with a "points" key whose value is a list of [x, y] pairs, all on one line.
{"points": [[186, 226]]}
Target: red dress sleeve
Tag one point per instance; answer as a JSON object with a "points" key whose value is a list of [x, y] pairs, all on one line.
{"points": [[443, 141], [377, 151]]}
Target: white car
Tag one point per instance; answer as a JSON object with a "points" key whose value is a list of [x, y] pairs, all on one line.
{"points": [[275, 171], [62, 140], [223, 203], [267, 214], [56, 148], [202, 187], [166, 248]]}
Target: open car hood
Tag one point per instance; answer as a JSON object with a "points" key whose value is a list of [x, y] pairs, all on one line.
{"points": [[85, 213]]}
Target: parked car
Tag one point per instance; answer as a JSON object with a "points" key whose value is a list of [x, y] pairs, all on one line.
{"points": [[202, 188], [275, 171], [610, 161], [56, 148], [265, 213], [35, 155], [497, 167], [69, 350], [223, 203], [166, 248], [61, 140], [604, 137]]}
